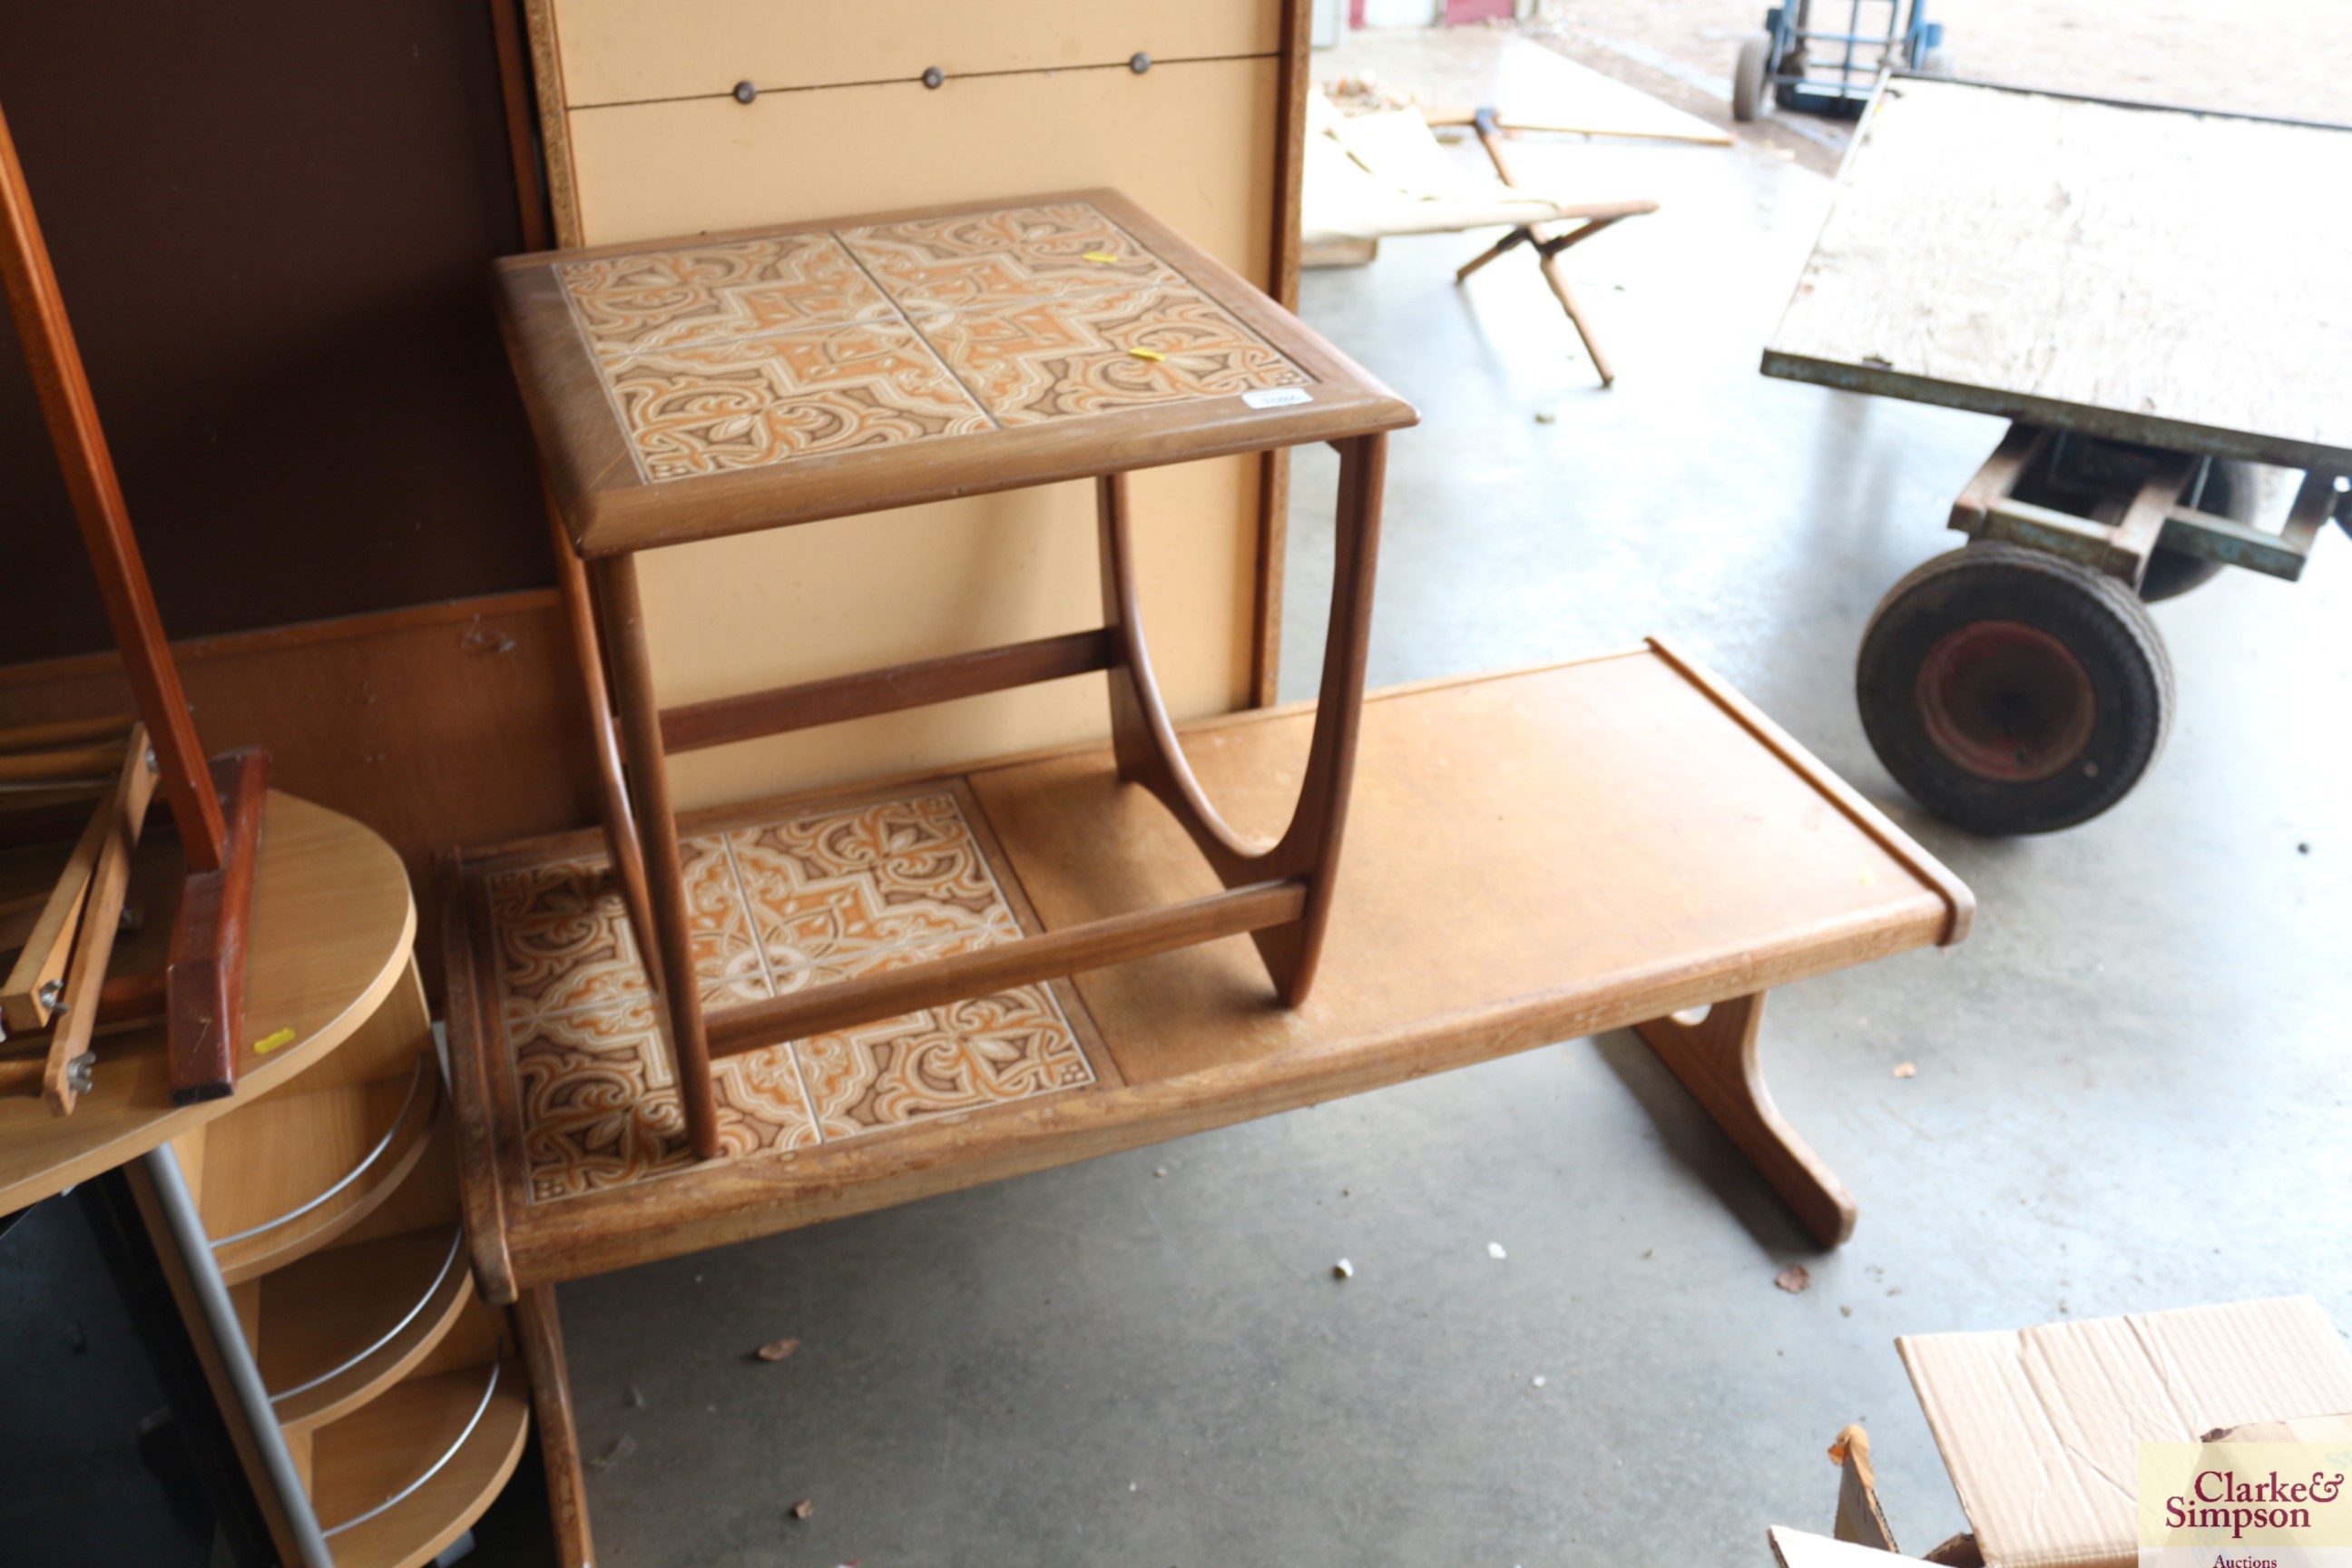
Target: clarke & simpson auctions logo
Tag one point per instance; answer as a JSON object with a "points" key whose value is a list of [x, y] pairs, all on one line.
{"points": [[2244, 1505], [2220, 1499]]}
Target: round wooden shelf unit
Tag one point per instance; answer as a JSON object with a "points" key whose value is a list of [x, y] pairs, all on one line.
{"points": [[395, 1483], [327, 1189], [350, 1323], [312, 1165]]}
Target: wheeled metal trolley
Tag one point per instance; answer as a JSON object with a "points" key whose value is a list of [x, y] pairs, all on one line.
{"points": [[1831, 67], [2083, 268]]}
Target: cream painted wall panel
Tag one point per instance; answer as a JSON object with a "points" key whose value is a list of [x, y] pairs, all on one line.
{"points": [[626, 51], [1192, 143], [757, 610]]}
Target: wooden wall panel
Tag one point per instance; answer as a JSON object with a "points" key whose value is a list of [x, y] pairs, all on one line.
{"points": [[272, 222], [452, 723], [1194, 143], [626, 51]]}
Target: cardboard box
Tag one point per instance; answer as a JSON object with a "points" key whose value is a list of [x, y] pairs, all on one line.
{"points": [[2040, 1427]]}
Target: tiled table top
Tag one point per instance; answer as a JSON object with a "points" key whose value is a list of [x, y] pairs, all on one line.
{"points": [[752, 351], [686, 388], [776, 906]]}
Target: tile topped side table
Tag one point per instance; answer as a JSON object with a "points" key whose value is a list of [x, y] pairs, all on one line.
{"points": [[695, 388]]}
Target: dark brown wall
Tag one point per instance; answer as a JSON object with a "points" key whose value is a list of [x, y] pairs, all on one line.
{"points": [[271, 220]]}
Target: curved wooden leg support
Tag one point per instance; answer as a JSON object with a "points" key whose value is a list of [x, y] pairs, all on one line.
{"points": [[1714, 1055], [559, 1438], [1144, 740]]}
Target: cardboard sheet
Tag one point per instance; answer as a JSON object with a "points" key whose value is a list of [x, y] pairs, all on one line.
{"points": [[2040, 1427], [1795, 1549]]}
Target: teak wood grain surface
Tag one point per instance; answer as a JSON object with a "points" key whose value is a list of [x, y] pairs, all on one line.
{"points": [[2162, 274], [1533, 857], [580, 379]]}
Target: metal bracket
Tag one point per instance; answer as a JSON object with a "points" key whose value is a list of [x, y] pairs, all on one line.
{"points": [[2138, 509]]}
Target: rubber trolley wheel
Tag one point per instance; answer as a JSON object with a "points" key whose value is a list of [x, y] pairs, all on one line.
{"points": [[2010, 691], [1748, 77]]}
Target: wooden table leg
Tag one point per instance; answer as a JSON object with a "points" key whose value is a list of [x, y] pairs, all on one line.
{"points": [[1311, 844], [679, 1004], [1715, 1058], [1144, 740], [558, 1437], [611, 789]]}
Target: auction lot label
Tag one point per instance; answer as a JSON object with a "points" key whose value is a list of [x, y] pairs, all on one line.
{"points": [[2245, 1505]]}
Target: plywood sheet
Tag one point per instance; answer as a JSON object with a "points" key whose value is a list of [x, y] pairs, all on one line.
{"points": [[2154, 274], [1193, 144], [623, 51]]}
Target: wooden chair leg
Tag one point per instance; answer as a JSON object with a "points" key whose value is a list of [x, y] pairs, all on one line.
{"points": [[1488, 131], [621, 613], [1311, 844], [542, 1334], [1715, 1058], [1558, 279], [1516, 237]]}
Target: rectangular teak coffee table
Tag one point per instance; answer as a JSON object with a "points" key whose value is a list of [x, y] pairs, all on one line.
{"points": [[695, 388]]}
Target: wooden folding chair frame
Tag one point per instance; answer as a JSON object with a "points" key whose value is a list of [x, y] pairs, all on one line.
{"points": [[1590, 220], [204, 990]]}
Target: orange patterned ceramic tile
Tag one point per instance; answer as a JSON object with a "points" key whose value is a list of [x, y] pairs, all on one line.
{"points": [[964, 1057], [777, 907], [710, 408], [1088, 354], [725, 951], [563, 944], [716, 293], [1008, 256], [876, 886], [602, 1109], [744, 353]]}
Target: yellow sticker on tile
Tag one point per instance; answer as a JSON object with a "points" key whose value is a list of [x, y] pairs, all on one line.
{"points": [[1100, 256], [1154, 355], [271, 1042]]}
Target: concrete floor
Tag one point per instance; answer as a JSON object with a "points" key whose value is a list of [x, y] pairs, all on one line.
{"points": [[2130, 1089]]}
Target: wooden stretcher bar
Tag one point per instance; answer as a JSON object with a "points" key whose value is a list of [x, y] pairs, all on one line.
{"points": [[1533, 857]]}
